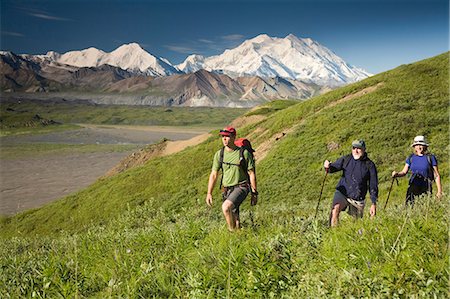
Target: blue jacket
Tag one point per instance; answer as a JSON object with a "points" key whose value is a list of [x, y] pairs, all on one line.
{"points": [[357, 176]]}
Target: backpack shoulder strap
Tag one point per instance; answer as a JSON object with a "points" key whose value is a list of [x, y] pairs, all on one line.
{"points": [[221, 157], [220, 165], [410, 159], [242, 161], [430, 167]]}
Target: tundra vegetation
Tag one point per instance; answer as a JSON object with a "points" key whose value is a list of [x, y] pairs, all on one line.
{"points": [[25, 116], [147, 233]]}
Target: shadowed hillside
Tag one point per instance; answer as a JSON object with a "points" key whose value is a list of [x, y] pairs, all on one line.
{"points": [[146, 232]]}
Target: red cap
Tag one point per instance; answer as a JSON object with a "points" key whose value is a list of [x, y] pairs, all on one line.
{"points": [[228, 131]]}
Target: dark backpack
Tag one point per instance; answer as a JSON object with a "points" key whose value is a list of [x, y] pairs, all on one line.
{"points": [[430, 172], [243, 144]]}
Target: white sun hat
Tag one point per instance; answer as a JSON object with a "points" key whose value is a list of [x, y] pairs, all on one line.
{"points": [[419, 140]]}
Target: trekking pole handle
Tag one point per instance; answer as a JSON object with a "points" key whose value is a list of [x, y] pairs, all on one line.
{"points": [[389, 193], [321, 190]]}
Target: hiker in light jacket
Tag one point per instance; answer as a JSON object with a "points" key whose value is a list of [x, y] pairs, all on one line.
{"points": [[238, 179], [424, 169], [359, 174]]}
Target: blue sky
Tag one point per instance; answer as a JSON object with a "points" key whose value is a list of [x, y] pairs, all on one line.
{"points": [[374, 35]]}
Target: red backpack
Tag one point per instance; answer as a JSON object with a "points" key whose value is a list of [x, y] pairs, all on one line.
{"points": [[245, 144]]}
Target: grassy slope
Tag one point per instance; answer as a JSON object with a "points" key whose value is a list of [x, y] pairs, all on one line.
{"points": [[146, 232]]}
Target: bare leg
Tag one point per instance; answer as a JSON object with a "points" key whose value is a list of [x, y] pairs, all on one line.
{"points": [[227, 208], [334, 215], [238, 220]]}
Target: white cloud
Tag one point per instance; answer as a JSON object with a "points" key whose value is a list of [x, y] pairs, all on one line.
{"points": [[10, 33], [180, 49], [206, 41], [233, 37], [47, 17]]}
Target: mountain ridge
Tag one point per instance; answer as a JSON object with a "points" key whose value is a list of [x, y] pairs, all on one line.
{"points": [[43, 78], [264, 56], [306, 67]]}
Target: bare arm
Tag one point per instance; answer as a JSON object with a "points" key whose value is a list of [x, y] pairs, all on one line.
{"points": [[401, 173], [211, 183], [254, 189], [437, 178]]}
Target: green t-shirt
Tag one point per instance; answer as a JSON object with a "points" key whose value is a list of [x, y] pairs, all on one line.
{"points": [[233, 174]]}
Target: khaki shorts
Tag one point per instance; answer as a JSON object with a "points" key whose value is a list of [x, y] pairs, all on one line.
{"points": [[355, 208]]}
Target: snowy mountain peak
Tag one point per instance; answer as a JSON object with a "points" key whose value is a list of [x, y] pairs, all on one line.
{"points": [[129, 48], [131, 57], [84, 58], [261, 39], [53, 55], [290, 57], [192, 63], [291, 36]]}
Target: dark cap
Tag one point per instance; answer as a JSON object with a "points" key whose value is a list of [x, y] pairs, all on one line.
{"points": [[359, 144], [228, 131]]}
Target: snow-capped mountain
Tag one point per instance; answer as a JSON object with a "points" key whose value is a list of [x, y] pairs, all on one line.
{"points": [[260, 69], [290, 57], [130, 57], [192, 63]]}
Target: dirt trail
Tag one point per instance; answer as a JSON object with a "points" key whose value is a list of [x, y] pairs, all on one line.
{"points": [[165, 148], [264, 148], [173, 147]]}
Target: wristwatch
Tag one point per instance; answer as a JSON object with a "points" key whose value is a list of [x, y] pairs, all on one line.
{"points": [[255, 193]]}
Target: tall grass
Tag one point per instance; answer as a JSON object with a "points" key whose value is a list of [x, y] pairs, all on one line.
{"points": [[191, 254]]}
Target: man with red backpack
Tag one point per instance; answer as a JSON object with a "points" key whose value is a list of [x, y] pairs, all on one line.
{"points": [[238, 176]]}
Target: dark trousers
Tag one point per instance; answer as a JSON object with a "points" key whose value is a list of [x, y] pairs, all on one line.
{"points": [[414, 191]]}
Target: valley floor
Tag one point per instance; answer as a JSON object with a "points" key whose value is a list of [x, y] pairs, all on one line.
{"points": [[38, 169], [32, 182]]}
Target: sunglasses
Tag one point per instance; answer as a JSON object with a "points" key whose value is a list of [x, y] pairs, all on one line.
{"points": [[226, 131], [356, 147]]}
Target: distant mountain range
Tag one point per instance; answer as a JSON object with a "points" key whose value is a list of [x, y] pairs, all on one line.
{"points": [[258, 70], [290, 57]]}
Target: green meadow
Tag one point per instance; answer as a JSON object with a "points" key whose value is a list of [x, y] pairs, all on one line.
{"points": [[147, 233], [15, 115]]}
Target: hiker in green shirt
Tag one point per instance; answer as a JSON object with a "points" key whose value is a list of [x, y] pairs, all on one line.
{"points": [[238, 177]]}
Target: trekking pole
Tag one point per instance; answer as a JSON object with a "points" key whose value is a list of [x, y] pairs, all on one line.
{"points": [[321, 190], [389, 193], [251, 214]]}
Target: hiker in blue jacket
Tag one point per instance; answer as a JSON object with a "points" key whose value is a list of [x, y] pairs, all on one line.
{"points": [[424, 169], [358, 175]]}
